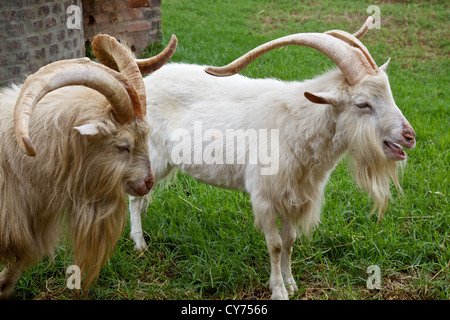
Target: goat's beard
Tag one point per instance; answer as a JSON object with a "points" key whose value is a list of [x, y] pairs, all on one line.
{"points": [[96, 214], [94, 234], [369, 166]]}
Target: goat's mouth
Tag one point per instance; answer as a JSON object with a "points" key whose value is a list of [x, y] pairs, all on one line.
{"points": [[136, 192], [393, 151], [141, 187]]}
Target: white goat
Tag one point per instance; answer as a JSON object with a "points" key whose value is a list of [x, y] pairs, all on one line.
{"points": [[357, 116], [93, 150]]}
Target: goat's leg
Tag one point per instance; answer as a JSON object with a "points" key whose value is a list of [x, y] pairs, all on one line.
{"points": [[288, 236], [8, 279], [267, 220], [138, 206]]}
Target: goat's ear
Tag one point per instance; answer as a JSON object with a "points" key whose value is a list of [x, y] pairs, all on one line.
{"points": [[322, 98], [385, 65], [90, 129]]}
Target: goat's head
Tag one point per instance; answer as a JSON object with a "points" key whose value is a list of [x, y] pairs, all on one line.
{"points": [[371, 125], [110, 141]]}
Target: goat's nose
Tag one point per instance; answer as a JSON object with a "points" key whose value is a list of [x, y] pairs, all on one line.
{"points": [[150, 181], [409, 135]]}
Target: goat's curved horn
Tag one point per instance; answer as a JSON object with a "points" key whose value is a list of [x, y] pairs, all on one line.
{"points": [[354, 42], [152, 64], [365, 27], [113, 85], [349, 59], [117, 57]]}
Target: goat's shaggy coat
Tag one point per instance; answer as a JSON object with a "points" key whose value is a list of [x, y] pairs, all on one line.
{"points": [[93, 150], [74, 177], [356, 116]]}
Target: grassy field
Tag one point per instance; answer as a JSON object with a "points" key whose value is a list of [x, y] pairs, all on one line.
{"points": [[202, 242]]}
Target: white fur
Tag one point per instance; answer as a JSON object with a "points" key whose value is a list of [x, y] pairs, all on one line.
{"points": [[312, 140]]}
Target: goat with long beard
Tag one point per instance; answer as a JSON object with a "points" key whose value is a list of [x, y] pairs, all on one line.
{"points": [[91, 137], [348, 110]]}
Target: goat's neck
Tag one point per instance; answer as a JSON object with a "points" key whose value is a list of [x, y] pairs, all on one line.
{"points": [[311, 128]]}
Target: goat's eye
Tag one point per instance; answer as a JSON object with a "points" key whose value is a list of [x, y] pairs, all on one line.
{"points": [[123, 148], [364, 105]]}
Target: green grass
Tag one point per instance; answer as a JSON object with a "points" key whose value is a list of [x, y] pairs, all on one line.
{"points": [[202, 242]]}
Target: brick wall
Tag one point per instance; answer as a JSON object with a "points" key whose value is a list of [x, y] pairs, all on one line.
{"points": [[34, 33], [134, 22]]}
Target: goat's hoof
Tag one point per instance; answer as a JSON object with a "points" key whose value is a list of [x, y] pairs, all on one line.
{"points": [[139, 245], [291, 289], [279, 294]]}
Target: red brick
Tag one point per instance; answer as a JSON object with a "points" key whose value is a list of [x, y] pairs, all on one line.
{"points": [[100, 18], [149, 14], [138, 26], [14, 43], [67, 45], [8, 15], [15, 70], [132, 14], [29, 14], [47, 38], [120, 5], [4, 60], [54, 49], [107, 7], [44, 10], [32, 68], [22, 57], [50, 22], [38, 54], [33, 41], [15, 29], [113, 17], [38, 25], [61, 35], [86, 7], [137, 3], [56, 8]]}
